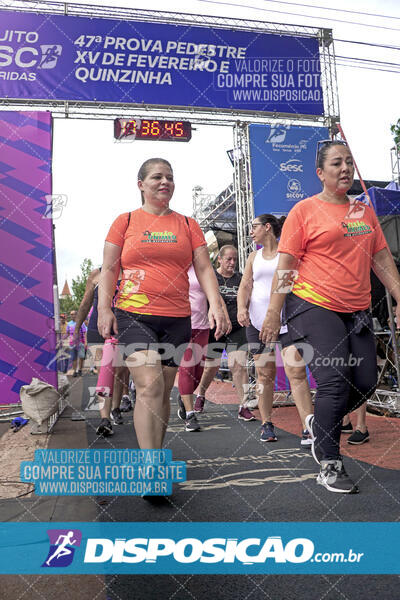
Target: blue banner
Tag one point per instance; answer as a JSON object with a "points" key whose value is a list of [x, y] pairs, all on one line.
{"points": [[57, 57], [200, 548], [283, 165]]}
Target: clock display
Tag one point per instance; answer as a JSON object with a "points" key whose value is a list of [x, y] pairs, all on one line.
{"points": [[151, 129]]}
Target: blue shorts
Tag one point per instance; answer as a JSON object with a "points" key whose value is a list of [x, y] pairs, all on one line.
{"points": [[78, 351]]}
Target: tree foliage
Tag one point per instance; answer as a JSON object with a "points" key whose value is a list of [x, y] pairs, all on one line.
{"points": [[78, 288]]}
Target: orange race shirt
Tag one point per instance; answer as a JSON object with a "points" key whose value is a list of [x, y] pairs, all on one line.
{"points": [[335, 244], [156, 255]]}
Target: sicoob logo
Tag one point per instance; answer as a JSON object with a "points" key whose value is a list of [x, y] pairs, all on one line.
{"points": [[62, 547]]}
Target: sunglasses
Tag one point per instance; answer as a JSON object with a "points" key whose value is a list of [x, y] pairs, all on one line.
{"points": [[323, 143]]}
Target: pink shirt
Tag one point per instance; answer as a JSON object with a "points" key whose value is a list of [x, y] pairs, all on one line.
{"points": [[198, 302]]}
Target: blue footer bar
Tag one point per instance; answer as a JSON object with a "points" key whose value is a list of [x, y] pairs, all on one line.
{"points": [[200, 548]]}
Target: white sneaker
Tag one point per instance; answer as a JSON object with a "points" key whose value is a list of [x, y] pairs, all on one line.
{"points": [[252, 404]]}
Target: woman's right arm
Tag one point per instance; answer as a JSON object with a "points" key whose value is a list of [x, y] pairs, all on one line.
{"points": [[282, 282], [244, 292], [107, 323]]}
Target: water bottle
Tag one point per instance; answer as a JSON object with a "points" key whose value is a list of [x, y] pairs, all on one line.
{"points": [[105, 381]]}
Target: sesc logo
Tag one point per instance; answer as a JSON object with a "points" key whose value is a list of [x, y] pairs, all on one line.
{"points": [[291, 166], [62, 547], [191, 550]]}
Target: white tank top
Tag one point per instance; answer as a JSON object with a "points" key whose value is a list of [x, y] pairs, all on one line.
{"points": [[263, 272]]}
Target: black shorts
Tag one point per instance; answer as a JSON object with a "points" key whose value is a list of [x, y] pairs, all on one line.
{"points": [[93, 337], [255, 344], [235, 340], [169, 336]]}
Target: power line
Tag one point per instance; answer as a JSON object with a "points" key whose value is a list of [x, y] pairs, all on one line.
{"points": [[368, 44], [352, 12], [370, 60], [281, 12]]}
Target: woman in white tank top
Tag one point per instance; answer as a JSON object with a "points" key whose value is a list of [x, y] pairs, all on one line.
{"points": [[253, 299]]}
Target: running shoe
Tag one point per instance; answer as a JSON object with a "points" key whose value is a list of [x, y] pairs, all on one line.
{"points": [[199, 404], [116, 417], [105, 428], [316, 452], [335, 479], [181, 410], [347, 428], [358, 437], [192, 423], [126, 404], [268, 432], [245, 415], [306, 440]]}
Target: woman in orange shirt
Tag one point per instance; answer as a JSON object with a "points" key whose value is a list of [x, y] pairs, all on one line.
{"points": [[154, 246], [328, 246]]}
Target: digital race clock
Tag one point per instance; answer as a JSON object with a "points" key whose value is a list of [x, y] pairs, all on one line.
{"points": [[150, 129]]}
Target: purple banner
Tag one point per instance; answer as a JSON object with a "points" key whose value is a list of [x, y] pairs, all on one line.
{"points": [[27, 337], [60, 57]]}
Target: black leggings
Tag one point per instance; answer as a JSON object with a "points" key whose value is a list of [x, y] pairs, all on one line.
{"points": [[343, 365]]}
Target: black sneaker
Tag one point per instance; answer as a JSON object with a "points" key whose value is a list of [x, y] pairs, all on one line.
{"points": [[333, 476], [105, 428], [316, 452], [347, 428], [192, 423], [358, 437], [116, 417], [75, 374], [181, 410], [126, 404]]}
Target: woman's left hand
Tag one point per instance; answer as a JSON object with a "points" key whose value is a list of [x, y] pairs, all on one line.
{"points": [[269, 332], [217, 319]]}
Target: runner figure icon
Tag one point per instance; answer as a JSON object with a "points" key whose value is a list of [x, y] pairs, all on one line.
{"points": [[62, 542]]}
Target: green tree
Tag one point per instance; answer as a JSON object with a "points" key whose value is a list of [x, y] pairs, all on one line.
{"points": [[79, 284], [67, 304], [395, 129]]}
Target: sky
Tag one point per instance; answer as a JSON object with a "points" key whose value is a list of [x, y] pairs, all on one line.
{"points": [[97, 176]]}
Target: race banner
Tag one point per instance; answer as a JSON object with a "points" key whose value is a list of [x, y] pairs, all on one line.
{"points": [[62, 57], [28, 340], [283, 169]]}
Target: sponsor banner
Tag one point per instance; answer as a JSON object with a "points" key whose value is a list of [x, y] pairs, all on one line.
{"points": [[60, 57], [106, 472], [283, 165], [200, 548]]}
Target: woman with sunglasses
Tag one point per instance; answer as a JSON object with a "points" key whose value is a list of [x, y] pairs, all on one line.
{"points": [[253, 297], [327, 247]]}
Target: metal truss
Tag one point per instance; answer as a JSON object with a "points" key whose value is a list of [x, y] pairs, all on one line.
{"points": [[395, 160], [243, 191], [211, 212]]}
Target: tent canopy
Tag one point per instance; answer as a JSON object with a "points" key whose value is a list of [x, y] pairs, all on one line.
{"points": [[386, 201]]}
